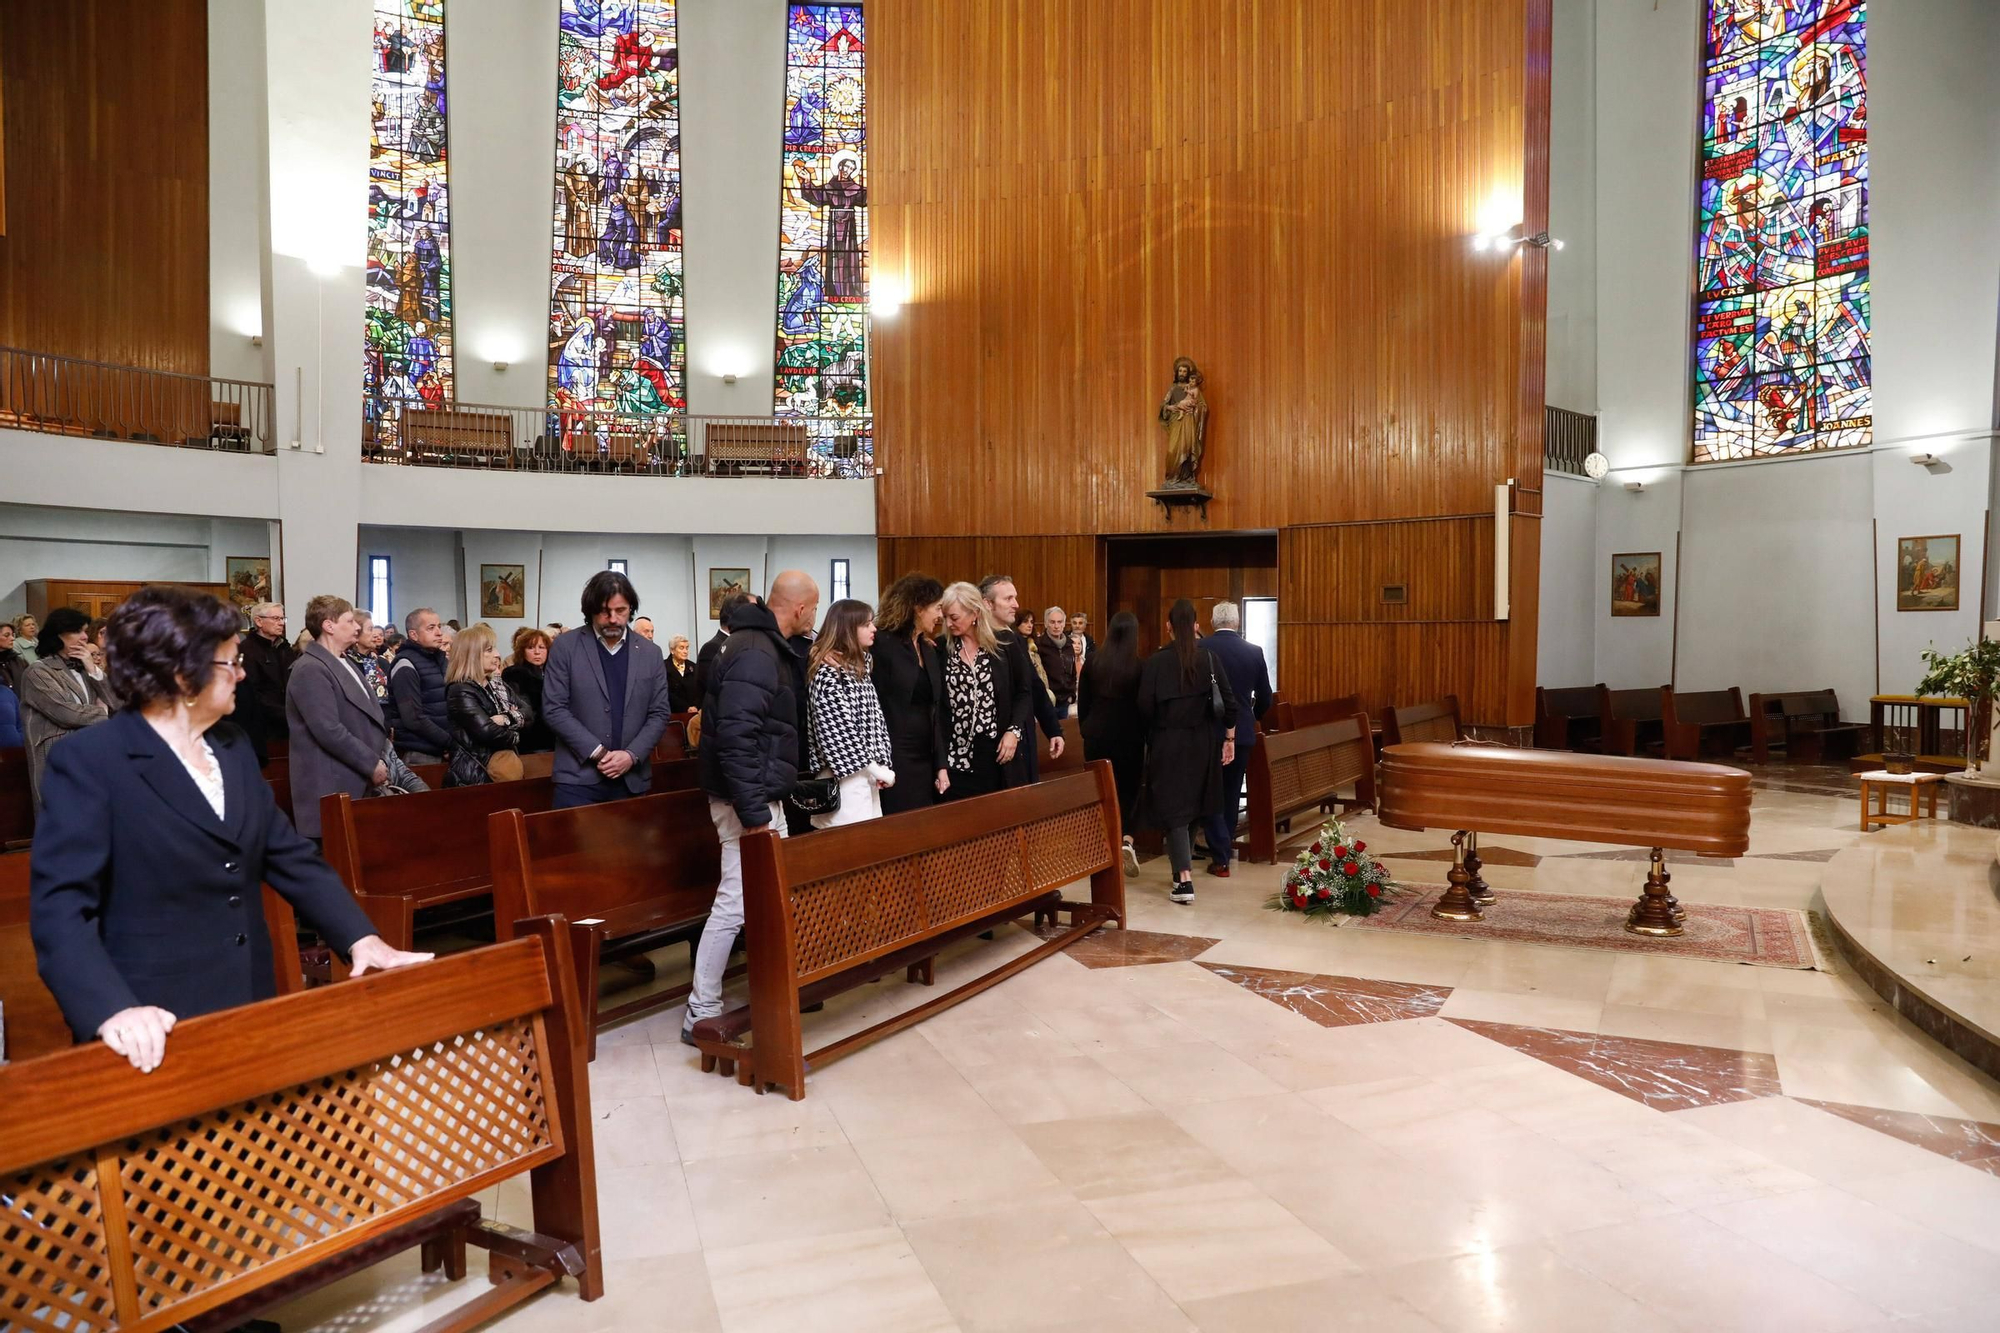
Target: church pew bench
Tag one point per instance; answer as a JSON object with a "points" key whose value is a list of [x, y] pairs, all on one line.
{"points": [[1695, 722], [1072, 759], [1629, 720], [1424, 722], [1306, 771], [1298, 716], [30, 1022], [1804, 724], [1569, 717], [1654, 803], [845, 906], [733, 448], [17, 807], [628, 876], [673, 743], [452, 432], [288, 1143]]}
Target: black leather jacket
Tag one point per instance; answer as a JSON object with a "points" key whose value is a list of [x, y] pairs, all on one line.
{"points": [[472, 709]]}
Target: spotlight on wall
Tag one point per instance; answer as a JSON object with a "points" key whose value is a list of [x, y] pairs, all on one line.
{"points": [[729, 378], [1924, 460], [1635, 486], [886, 296], [256, 340], [1543, 240], [500, 366]]}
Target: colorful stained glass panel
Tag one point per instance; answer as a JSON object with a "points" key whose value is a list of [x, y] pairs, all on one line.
{"points": [[1781, 272], [617, 332], [822, 346], [407, 313]]}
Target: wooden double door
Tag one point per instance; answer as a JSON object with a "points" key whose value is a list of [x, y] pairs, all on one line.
{"points": [[1147, 575]]}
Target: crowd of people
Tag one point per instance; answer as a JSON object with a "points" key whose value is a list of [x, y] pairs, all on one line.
{"points": [[800, 723]]}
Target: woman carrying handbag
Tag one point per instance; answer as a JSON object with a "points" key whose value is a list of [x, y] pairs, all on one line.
{"points": [[485, 726], [847, 739], [1183, 699]]}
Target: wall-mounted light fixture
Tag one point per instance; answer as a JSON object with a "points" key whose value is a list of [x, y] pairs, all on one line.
{"points": [[500, 366], [256, 340], [1543, 240], [1924, 460], [729, 378], [1635, 486]]}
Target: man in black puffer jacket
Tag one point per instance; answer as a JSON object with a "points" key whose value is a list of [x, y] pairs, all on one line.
{"points": [[750, 757]]}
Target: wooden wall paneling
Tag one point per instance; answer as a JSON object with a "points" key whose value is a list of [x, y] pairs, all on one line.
{"points": [[1062, 570], [105, 252]]}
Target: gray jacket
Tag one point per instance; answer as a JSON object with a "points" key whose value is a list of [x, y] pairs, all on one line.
{"points": [[577, 708], [338, 734], [56, 700]]}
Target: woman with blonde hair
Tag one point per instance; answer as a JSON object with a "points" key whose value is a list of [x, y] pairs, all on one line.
{"points": [[846, 737], [486, 719], [986, 710], [523, 679]]}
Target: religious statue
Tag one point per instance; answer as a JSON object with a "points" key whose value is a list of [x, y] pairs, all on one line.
{"points": [[1185, 415]]}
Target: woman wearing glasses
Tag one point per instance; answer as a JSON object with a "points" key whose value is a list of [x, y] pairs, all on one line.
{"points": [[157, 830]]}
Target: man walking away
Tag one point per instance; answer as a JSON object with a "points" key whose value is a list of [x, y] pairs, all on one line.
{"points": [[705, 659], [1242, 662], [1059, 665], [604, 696], [749, 758]]}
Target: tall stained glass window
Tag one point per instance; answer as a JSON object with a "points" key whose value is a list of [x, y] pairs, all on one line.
{"points": [[1781, 307], [617, 337], [822, 352], [408, 305]]}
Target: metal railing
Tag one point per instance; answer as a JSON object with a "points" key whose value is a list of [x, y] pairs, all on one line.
{"points": [[1567, 439], [526, 439], [62, 395]]}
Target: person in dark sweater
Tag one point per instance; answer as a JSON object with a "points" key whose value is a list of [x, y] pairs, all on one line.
{"points": [[416, 682], [1058, 658], [604, 693], [267, 663], [523, 675], [1004, 603], [705, 659]]}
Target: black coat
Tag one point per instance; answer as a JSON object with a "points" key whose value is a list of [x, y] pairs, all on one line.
{"points": [[682, 693], [472, 708], [1249, 680], [1183, 780], [910, 684], [1031, 704], [704, 662], [416, 680], [750, 718], [140, 895], [525, 680], [1059, 662], [1107, 712], [260, 695]]}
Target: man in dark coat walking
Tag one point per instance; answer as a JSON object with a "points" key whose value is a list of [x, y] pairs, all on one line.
{"points": [[1005, 603], [750, 758], [1242, 664], [705, 659]]}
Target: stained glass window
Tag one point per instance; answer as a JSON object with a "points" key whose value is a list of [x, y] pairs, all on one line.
{"points": [[1781, 306], [407, 322], [617, 337], [822, 351]]}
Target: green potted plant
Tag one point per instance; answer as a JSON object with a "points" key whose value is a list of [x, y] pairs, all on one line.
{"points": [[1972, 676]]}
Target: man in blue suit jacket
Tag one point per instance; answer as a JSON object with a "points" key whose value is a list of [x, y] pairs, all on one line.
{"points": [[604, 695], [1250, 681]]}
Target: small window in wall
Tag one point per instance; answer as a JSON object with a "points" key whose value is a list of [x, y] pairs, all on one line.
{"points": [[1260, 626], [617, 567], [378, 588], [840, 580]]}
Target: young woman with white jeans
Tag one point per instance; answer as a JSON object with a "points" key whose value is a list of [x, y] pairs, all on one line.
{"points": [[847, 737]]}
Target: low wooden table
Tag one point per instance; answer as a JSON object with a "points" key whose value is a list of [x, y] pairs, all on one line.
{"points": [[1922, 786]]}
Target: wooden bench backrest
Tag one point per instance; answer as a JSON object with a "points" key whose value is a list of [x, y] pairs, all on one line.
{"points": [[1424, 722], [1072, 756], [673, 741], [1309, 765], [1634, 705], [1302, 716], [634, 865], [1814, 703], [428, 844], [1566, 701], [17, 807], [286, 1133], [1702, 706], [452, 427]]}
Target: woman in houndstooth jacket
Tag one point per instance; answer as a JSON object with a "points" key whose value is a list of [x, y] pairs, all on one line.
{"points": [[846, 736]]}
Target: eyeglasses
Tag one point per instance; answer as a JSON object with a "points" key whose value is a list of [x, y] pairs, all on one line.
{"points": [[233, 663]]}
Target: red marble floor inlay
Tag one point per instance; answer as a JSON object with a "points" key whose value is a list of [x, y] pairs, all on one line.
{"points": [[1665, 1075], [1488, 856], [1970, 1141], [1133, 948], [1337, 1001]]}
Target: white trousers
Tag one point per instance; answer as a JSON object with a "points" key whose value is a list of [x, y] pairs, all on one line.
{"points": [[860, 799], [711, 958]]}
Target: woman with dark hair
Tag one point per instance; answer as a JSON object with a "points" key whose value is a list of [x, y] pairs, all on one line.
{"points": [[846, 737], [62, 692], [909, 682], [12, 664], [486, 724], [157, 832], [523, 677], [1107, 709], [1183, 779]]}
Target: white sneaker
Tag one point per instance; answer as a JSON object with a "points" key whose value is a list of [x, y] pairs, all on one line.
{"points": [[1131, 859], [1183, 891]]}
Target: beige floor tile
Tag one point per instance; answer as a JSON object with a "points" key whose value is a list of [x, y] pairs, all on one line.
{"points": [[743, 1122], [761, 1197], [1569, 1192], [636, 1131], [1332, 1305], [1387, 1103], [1519, 1289], [1680, 1162], [1905, 1269], [1702, 1276], [1383, 1210], [1809, 1140], [998, 1031], [945, 1175], [1534, 1010], [644, 1211], [1037, 1268], [1127, 1025], [851, 1280], [1527, 969], [1127, 1154], [919, 1092], [1071, 1088], [1262, 1134], [621, 1072], [1183, 1074], [669, 1293], [1961, 1201], [1209, 1240]]}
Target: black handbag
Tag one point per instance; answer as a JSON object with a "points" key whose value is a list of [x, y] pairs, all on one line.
{"points": [[816, 796], [1214, 694]]}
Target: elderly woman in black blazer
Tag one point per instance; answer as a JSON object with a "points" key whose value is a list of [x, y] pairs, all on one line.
{"points": [[158, 830]]}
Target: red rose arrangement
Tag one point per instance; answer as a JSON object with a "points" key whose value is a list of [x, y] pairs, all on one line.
{"points": [[1334, 875]]}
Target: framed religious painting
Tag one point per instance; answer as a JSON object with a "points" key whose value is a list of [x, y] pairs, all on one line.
{"points": [[249, 579], [503, 592], [1927, 573], [721, 583], [1635, 583]]}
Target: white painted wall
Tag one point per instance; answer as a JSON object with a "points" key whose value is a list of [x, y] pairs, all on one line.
{"points": [[1572, 311], [423, 571], [46, 542], [1566, 628], [658, 564], [71, 472], [239, 212], [1636, 651], [423, 496]]}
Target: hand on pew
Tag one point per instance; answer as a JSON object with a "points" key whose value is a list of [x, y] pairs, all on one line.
{"points": [[372, 953], [139, 1034]]}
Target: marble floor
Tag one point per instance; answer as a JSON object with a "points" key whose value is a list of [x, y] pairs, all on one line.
{"points": [[1231, 1119]]}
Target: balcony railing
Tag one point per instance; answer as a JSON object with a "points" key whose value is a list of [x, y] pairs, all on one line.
{"points": [[524, 439], [62, 395], [1567, 439]]}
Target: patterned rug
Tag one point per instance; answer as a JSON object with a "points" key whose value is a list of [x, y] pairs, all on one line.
{"points": [[1759, 936]]}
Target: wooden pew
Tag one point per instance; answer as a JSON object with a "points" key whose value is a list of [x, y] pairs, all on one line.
{"points": [[1424, 722], [844, 906], [30, 1022], [672, 744], [1569, 717], [1806, 725], [777, 447], [1296, 772], [1072, 760], [1700, 808], [449, 432], [628, 876], [1630, 719], [17, 807], [289, 1143], [1693, 721], [1297, 717]]}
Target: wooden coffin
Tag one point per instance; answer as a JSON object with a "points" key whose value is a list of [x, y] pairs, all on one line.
{"points": [[1702, 808]]}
